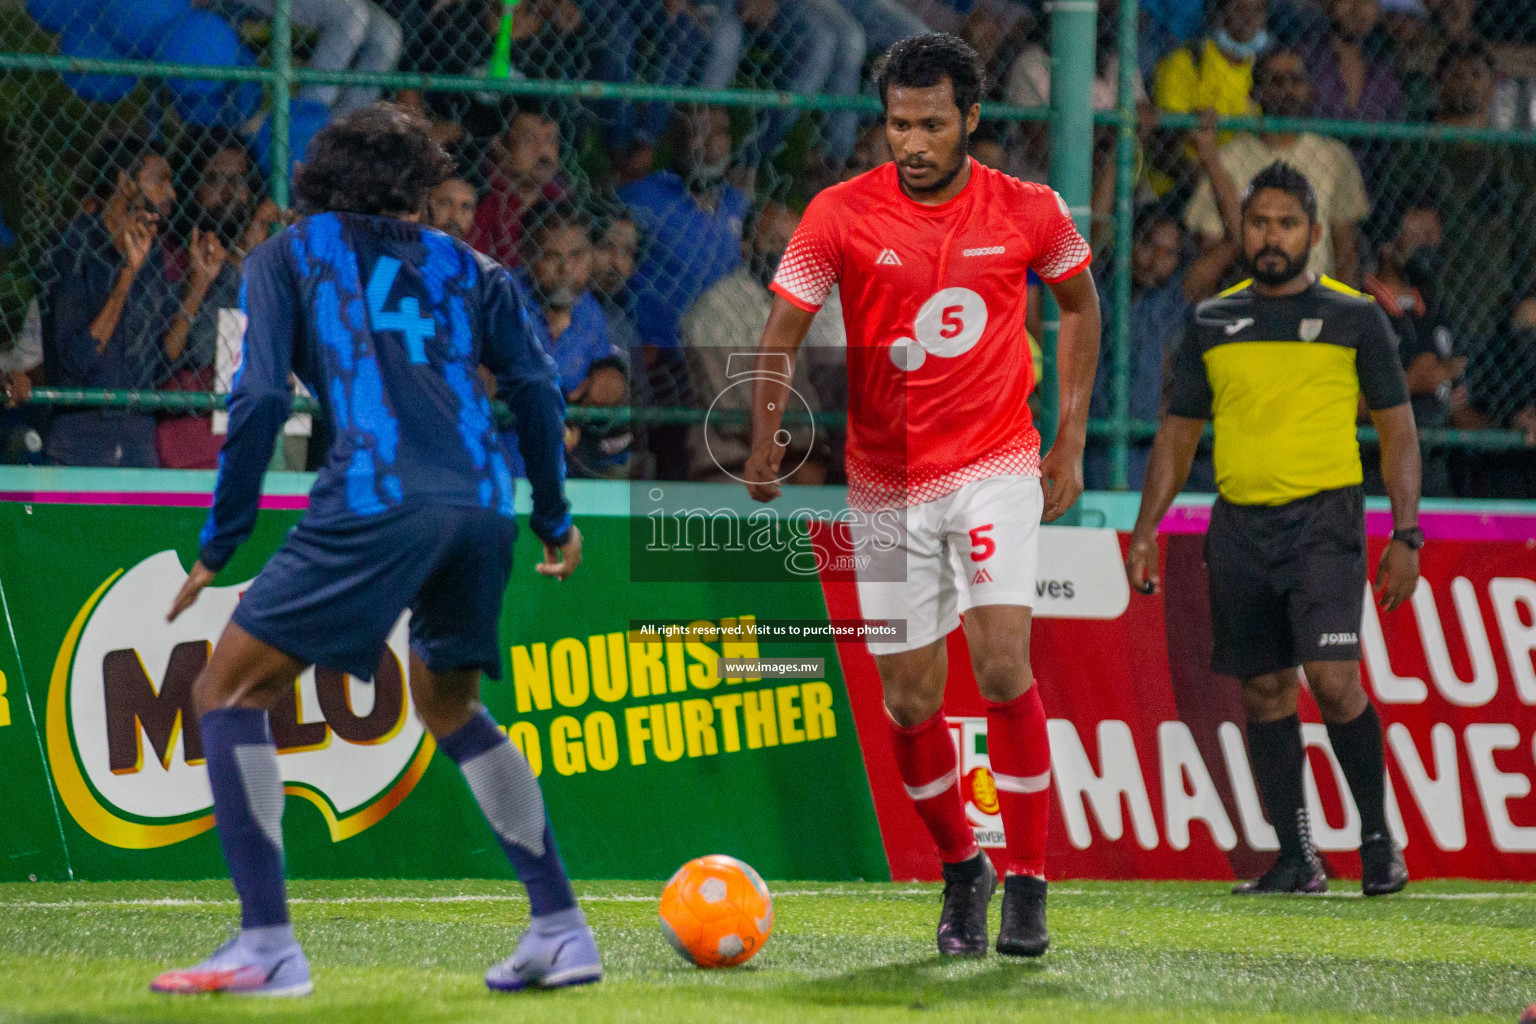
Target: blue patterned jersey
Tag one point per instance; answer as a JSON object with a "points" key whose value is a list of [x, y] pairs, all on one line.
{"points": [[385, 322]]}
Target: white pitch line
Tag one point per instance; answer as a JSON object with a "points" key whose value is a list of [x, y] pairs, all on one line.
{"points": [[1220, 894], [1440, 895], [633, 898], [466, 898]]}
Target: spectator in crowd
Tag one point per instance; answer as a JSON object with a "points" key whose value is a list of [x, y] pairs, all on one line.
{"points": [[454, 37], [1284, 90], [1184, 19], [954, 15], [1501, 394], [109, 304], [1215, 72], [987, 147], [1486, 197], [615, 254], [1445, 23], [551, 39], [1456, 22], [554, 39], [24, 355], [20, 440], [884, 22], [1028, 81], [1350, 81], [1106, 169], [1169, 277], [451, 208], [557, 247], [231, 222], [692, 221], [615, 250], [354, 34], [526, 169], [720, 334], [998, 40], [676, 34], [870, 151], [861, 27], [813, 47], [1405, 25], [1406, 284]]}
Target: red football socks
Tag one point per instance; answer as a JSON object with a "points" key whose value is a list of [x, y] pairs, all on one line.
{"points": [[1020, 752], [930, 770]]}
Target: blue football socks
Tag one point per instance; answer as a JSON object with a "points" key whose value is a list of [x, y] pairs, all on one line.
{"points": [[248, 808], [508, 794]]}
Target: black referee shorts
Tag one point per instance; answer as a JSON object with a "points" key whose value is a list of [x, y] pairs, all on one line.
{"points": [[1287, 582]]}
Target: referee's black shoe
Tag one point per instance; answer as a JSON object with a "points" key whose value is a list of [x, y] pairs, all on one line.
{"points": [[1382, 870], [1023, 930], [968, 888], [1292, 873]]}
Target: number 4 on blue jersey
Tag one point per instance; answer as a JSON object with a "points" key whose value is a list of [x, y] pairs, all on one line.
{"points": [[407, 319]]}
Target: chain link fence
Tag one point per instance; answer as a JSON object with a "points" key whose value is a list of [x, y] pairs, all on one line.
{"points": [[642, 162]]}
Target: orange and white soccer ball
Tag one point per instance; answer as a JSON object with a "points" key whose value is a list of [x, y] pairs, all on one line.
{"points": [[716, 911]]}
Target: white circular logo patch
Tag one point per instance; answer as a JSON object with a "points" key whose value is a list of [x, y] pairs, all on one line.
{"points": [[907, 354], [951, 322]]}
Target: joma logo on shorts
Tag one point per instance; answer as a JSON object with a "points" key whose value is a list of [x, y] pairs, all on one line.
{"points": [[1337, 639]]}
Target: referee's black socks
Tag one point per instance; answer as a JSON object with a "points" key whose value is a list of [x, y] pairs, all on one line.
{"points": [[1357, 745], [1278, 760]]}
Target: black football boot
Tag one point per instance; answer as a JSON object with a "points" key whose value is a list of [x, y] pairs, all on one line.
{"points": [[968, 887], [1382, 870], [1297, 870], [1023, 930]]}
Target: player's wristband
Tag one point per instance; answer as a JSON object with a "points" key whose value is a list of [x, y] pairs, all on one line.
{"points": [[1412, 536]]}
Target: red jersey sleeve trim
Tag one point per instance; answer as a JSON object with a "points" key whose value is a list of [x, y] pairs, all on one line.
{"points": [[1071, 273], [792, 299]]}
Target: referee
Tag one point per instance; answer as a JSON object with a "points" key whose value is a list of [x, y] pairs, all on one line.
{"points": [[1279, 363]]}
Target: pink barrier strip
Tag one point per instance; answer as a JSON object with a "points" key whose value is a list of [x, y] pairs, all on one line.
{"points": [[1186, 520], [164, 498], [1466, 526]]}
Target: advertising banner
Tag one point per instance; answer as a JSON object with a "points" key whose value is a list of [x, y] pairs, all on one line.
{"points": [[1149, 764], [647, 756]]}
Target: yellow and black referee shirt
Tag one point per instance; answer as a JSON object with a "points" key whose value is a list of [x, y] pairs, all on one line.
{"points": [[1280, 377]]}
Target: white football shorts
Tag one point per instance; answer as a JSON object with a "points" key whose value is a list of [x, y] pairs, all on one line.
{"points": [[978, 545]]}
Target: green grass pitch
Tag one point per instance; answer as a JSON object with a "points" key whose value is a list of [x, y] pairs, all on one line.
{"points": [[397, 952]]}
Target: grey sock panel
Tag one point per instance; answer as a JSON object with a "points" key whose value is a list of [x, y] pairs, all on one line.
{"points": [[561, 921], [508, 795], [269, 939], [263, 782]]}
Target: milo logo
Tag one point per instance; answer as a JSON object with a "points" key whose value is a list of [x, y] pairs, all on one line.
{"points": [[123, 739]]}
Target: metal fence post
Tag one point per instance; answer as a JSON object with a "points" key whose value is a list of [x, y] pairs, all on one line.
{"points": [[282, 92], [1073, 40], [1125, 188]]}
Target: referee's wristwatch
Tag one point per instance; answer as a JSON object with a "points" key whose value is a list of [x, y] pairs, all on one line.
{"points": [[1412, 536]]}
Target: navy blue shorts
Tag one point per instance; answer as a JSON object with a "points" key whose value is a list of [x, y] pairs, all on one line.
{"points": [[332, 593]]}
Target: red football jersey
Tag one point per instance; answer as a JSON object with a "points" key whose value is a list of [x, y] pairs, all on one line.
{"points": [[939, 368]]}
